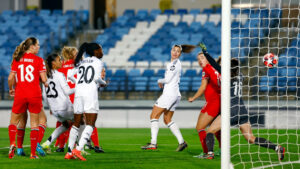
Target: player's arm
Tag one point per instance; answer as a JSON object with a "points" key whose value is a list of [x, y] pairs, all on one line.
{"points": [[11, 83], [44, 94], [200, 90], [168, 77], [71, 75], [100, 81], [43, 76], [64, 85], [210, 59]]}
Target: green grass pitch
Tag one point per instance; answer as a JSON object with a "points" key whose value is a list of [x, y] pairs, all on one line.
{"points": [[122, 150]]}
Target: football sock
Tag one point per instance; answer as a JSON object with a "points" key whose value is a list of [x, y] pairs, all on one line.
{"points": [[86, 135], [210, 142], [154, 131], [94, 137], [20, 137], [175, 130], [218, 136], [72, 138], [66, 137], [58, 131], [81, 128], [265, 143], [60, 137], [34, 135], [42, 129], [12, 132], [202, 136]]}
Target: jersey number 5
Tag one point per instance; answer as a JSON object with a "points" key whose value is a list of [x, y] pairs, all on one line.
{"points": [[84, 74], [29, 73], [51, 87]]}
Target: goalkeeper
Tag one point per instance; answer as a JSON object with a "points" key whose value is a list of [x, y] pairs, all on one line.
{"points": [[238, 113]]}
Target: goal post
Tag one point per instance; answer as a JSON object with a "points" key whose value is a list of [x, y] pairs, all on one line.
{"points": [[271, 95], [225, 85]]}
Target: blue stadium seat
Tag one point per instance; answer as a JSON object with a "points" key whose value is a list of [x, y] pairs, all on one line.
{"points": [[190, 73], [182, 11], [129, 13], [148, 73], [195, 11], [169, 12], [120, 73], [155, 12]]}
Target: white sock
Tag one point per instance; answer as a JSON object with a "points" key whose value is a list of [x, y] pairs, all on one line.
{"points": [[72, 138], [154, 130], [175, 130], [81, 128], [86, 135], [56, 133]]}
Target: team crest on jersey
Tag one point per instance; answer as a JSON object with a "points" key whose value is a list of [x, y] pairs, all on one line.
{"points": [[203, 74], [172, 68]]}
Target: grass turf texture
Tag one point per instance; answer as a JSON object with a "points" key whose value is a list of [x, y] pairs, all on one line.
{"points": [[122, 150]]}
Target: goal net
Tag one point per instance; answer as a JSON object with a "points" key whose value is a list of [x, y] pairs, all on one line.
{"points": [[271, 95]]}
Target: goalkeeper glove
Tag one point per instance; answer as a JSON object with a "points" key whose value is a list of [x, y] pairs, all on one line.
{"points": [[203, 47]]}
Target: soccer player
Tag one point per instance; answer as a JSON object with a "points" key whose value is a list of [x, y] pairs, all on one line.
{"points": [[168, 101], [68, 54], [210, 87], [88, 72], [239, 117], [57, 97], [28, 68]]}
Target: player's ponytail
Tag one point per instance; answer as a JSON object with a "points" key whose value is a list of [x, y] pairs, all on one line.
{"points": [[23, 47], [87, 48], [50, 58]]}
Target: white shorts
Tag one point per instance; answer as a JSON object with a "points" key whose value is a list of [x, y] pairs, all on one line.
{"points": [[62, 116], [168, 102], [85, 105]]}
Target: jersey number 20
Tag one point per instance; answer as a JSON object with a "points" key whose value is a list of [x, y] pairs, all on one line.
{"points": [[84, 74]]}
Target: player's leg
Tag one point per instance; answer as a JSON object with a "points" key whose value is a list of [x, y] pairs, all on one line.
{"points": [[247, 132], [174, 129], [12, 132], [203, 121], [56, 133], [34, 134], [210, 142], [58, 140], [95, 140], [42, 128], [156, 113], [21, 134]]}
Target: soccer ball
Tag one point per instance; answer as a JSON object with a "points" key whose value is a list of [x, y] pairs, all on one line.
{"points": [[270, 60]]}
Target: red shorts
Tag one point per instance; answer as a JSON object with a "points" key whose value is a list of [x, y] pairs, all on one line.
{"points": [[33, 105], [212, 108]]}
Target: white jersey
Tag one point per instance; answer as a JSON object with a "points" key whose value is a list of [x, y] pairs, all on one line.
{"points": [[88, 74], [57, 93], [172, 78]]}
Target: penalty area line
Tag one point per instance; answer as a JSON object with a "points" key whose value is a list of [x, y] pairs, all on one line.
{"points": [[274, 165]]}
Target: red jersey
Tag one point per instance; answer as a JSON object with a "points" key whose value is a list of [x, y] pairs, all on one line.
{"points": [[213, 89], [66, 66], [28, 70]]}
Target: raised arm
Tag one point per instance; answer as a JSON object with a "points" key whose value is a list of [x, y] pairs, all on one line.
{"points": [[210, 59], [64, 85]]}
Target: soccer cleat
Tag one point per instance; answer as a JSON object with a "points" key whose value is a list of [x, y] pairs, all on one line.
{"points": [[11, 152], [47, 148], [60, 150], [76, 153], [149, 146], [88, 146], [201, 156], [69, 156], [280, 152], [33, 156], [98, 149], [182, 146], [40, 150], [20, 152], [218, 153], [210, 156]]}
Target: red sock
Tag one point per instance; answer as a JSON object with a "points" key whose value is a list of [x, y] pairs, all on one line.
{"points": [[218, 136], [59, 137], [20, 137], [62, 140], [12, 132], [67, 135], [42, 129], [34, 135], [94, 137], [202, 136]]}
